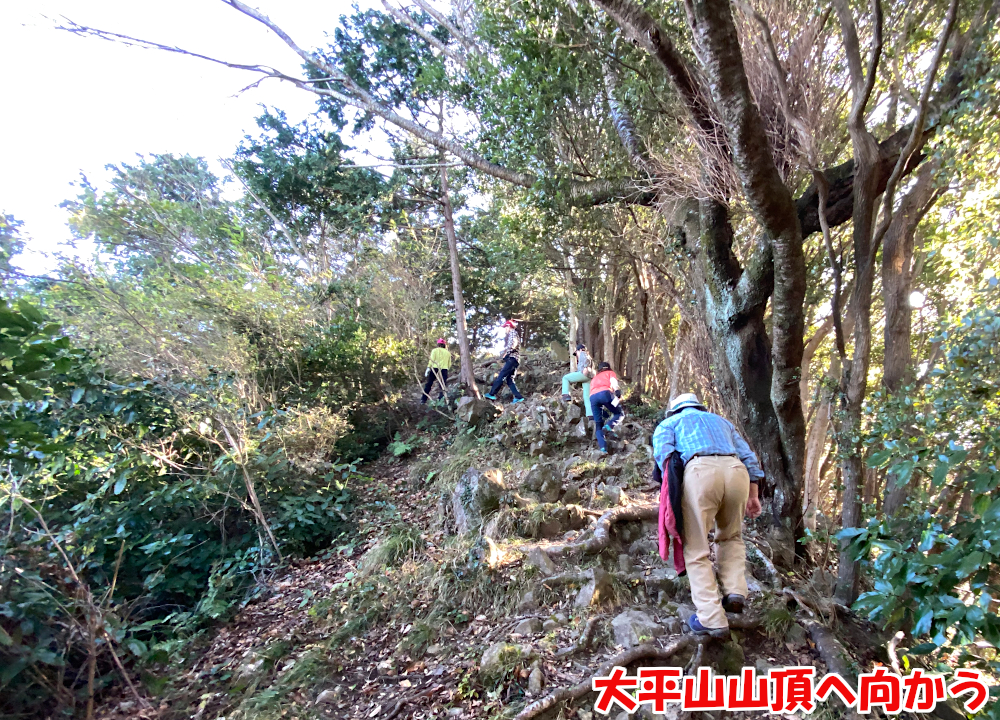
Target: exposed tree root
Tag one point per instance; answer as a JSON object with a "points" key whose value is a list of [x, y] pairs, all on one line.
{"points": [[583, 642], [772, 572], [744, 622], [601, 536], [808, 607], [639, 652], [833, 653], [567, 578]]}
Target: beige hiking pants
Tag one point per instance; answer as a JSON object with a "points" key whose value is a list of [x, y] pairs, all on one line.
{"points": [[716, 489]]}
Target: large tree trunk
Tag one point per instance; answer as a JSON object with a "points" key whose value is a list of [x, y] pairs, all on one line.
{"points": [[897, 283], [897, 257], [766, 374], [468, 379]]}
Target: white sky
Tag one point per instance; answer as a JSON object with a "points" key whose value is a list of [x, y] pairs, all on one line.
{"points": [[73, 104]]}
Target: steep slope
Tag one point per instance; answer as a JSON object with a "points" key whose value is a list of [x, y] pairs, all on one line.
{"points": [[496, 564]]}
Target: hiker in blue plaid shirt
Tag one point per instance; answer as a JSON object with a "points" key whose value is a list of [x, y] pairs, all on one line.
{"points": [[719, 486]]}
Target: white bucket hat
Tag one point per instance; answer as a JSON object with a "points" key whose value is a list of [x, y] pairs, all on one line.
{"points": [[684, 401]]}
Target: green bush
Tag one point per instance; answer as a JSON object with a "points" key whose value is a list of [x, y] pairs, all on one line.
{"points": [[936, 567], [132, 506]]}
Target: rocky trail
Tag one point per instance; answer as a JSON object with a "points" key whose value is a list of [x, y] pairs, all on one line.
{"points": [[495, 568]]}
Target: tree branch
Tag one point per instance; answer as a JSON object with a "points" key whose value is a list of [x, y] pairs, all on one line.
{"points": [[916, 132]]}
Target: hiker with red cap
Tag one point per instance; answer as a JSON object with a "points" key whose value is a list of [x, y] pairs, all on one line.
{"points": [[511, 359], [437, 370]]}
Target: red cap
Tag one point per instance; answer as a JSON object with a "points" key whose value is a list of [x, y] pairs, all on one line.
{"points": [[441, 341], [510, 323]]}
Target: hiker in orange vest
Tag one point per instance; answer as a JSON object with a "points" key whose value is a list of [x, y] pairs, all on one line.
{"points": [[605, 397]]}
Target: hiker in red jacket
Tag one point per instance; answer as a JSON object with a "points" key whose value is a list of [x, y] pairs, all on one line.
{"points": [[605, 397]]}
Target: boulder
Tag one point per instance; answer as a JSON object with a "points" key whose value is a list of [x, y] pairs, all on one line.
{"points": [[542, 420], [551, 489], [550, 527], [576, 517], [573, 412], [613, 494], [537, 475], [728, 659], [572, 494], [579, 431], [528, 626], [550, 626], [540, 559], [672, 625], [537, 448], [475, 494], [474, 412], [625, 563], [570, 463], [634, 627], [595, 590], [536, 681], [528, 602], [327, 697], [795, 637], [499, 659], [643, 547], [661, 580]]}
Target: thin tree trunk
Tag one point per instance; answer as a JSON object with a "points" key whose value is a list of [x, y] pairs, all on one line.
{"points": [[607, 326], [854, 383], [574, 323], [468, 379], [815, 447], [807, 355], [675, 371]]}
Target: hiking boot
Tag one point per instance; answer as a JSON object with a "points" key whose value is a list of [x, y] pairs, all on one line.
{"points": [[515, 401], [733, 603], [490, 397], [698, 629], [567, 397]]}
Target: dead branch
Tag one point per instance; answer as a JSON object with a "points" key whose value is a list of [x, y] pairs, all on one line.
{"points": [[251, 489], [891, 650], [400, 704], [640, 652], [695, 660]]}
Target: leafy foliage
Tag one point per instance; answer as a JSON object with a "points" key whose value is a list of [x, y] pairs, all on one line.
{"points": [[137, 487], [936, 569]]}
